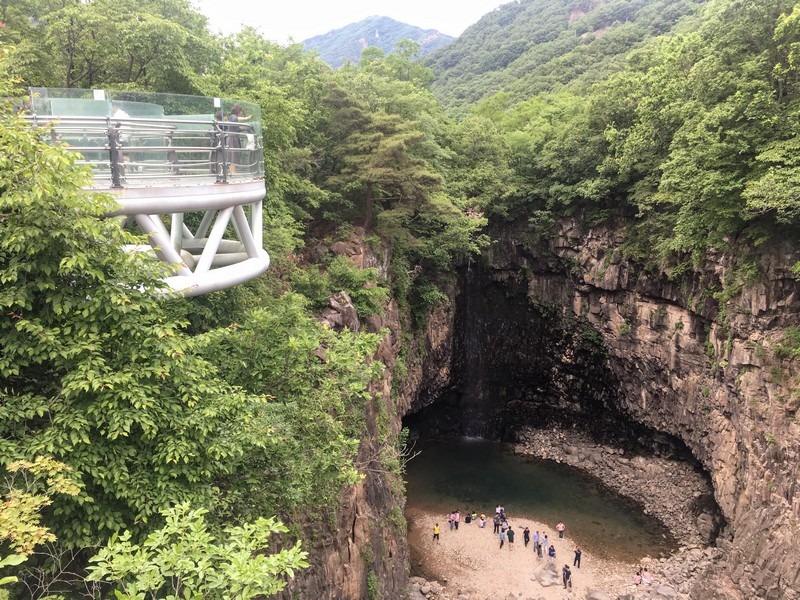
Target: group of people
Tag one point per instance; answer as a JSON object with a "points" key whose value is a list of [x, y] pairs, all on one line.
{"points": [[504, 531], [235, 135], [541, 542], [454, 518]]}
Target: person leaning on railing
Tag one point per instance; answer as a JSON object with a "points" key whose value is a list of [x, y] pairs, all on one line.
{"points": [[235, 135]]}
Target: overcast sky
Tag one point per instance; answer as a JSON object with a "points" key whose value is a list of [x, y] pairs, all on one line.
{"points": [[279, 20]]}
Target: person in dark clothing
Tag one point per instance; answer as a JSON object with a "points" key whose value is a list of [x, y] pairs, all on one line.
{"points": [[566, 576], [510, 534], [526, 536], [235, 136], [577, 561], [497, 523]]}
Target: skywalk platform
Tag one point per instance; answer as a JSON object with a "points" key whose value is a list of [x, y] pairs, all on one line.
{"points": [[184, 173]]}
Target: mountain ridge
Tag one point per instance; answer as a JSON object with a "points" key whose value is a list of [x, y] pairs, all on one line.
{"points": [[530, 46], [345, 44]]}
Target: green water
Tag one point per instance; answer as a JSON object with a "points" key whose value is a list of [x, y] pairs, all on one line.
{"points": [[477, 475]]}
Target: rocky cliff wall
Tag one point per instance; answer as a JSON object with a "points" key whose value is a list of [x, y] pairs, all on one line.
{"points": [[698, 358], [359, 550], [570, 333]]}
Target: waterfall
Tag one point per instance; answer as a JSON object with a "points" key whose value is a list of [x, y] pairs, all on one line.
{"points": [[476, 407]]}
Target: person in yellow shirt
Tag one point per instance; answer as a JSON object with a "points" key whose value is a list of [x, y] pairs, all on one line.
{"points": [[436, 532]]}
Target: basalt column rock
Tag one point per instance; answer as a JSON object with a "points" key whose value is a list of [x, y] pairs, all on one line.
{"points": [[517, 363], [704, 356]]}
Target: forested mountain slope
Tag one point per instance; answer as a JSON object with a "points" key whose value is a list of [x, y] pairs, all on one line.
{"points": [[530, 46], [345, 44]]}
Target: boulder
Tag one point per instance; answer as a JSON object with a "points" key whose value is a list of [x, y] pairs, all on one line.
{"points": [[341, 313], [548, 575], [344, 249], [597, 595], [663, 592]]}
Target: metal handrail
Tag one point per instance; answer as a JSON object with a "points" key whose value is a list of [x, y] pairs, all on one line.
{"points": [[120, 152]]}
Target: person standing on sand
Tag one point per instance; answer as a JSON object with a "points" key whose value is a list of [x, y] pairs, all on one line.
{"points": [[496, 522], [502, 537], [526, 536], [551, 554], [536, 541], [566, 576], [560, 529], [451, 520], [510, 534], [577, 561], [457, 519], [436, 532], [545, 543]]}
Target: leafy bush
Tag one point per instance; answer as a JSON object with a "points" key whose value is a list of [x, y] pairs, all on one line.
{"points": [[184, 560], [789, 346], [362, 285]]}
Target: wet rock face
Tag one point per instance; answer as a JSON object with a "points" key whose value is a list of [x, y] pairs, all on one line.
{"points": [[516, 363], [692, 360]]}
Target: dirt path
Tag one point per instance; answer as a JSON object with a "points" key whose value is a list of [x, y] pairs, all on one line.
{"points": [[469, 561]]}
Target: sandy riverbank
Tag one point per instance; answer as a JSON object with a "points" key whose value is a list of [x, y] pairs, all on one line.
{"points": [[469, 561]]}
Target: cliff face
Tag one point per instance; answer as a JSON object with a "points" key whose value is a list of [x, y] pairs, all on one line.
{"points": [[359, 551], [695, 359], [569, 333]]}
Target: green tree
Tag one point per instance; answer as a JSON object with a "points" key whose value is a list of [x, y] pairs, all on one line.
{"points": [[27, 490], [184, 560], [317, 382], [375, 158], [152, 45], [478, 172], [92, 371], [288, 85]]}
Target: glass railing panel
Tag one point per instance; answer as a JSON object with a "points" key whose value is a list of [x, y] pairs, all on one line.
{"points": [[144, 138]]}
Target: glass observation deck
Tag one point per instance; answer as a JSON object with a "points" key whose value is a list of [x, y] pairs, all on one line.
{"points": [[187, 171]]}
